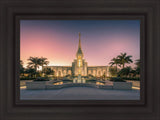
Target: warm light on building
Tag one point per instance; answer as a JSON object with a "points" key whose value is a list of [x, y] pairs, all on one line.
{"points": [[80, 66]]}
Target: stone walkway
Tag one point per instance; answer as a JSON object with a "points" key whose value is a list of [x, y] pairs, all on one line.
{"points": [[79, 93]]}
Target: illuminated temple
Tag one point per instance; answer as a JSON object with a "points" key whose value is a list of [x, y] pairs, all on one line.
{"points": [[79, 66]]}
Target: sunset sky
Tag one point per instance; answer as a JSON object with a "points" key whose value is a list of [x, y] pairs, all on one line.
{"points": [[57, 40]]}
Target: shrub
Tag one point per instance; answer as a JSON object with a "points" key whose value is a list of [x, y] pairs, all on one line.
{"points": [[131, 78], [117, 79], [90, 75], [67, 80], [91, 81], [26, 78], [85, 76], [113, 71], [41, 79], [125, 71], [68, 75]]}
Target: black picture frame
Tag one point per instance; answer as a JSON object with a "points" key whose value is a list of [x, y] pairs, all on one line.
{"points": [[12, 108]]}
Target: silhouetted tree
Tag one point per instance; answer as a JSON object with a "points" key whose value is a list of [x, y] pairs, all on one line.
{"points": [[34, 62], [125, 71], [115, 61], [22, 70], [113, 71], [43, 61], [123, 59], [137, 66], [30, 71], [48, 71]]}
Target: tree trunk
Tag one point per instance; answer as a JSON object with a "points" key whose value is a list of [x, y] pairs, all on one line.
{"points": [[116, 67], [123, 65], [35, 71], [42, 68]]}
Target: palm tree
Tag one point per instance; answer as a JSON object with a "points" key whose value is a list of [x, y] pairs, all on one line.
{"points": [[48, 71], [125, 71], [133, 73], [113, 71], [30, 71], [115, 61], [21, 67], [43, 61], [34, 62], [123, 59], [137, 63], [21, 63]]}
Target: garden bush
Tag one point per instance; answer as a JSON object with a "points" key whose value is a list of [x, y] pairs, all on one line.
{"points": [[131, 78], [117, 79], [41, 79], [26, 78], [67, 80], [91, 81]]}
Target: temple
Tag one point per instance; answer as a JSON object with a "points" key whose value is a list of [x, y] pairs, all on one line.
{"points": [[80, 66]]}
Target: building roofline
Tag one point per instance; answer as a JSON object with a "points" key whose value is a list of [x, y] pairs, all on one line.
{"points": [[71, 66], [97, 66], [57, 66]]}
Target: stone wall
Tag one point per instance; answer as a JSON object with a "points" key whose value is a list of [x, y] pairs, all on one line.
{"points": [[47, 85], [23, 82], [122, 85], [134, 83], [36, 85]]}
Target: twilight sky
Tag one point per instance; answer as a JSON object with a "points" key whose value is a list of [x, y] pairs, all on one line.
{"points": [[57, 40]]}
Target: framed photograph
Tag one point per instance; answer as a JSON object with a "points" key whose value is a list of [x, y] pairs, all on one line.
{"points": [[111, 70], [80, 60]]}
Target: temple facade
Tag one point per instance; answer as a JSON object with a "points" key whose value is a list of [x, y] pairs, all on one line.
{"points": [[80, 66]]}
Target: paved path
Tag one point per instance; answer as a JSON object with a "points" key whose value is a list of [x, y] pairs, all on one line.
{"points": [[79, 93]]}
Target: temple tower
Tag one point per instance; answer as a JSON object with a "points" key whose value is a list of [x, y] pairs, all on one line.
{"points": [[79, 66], [79, 56]]}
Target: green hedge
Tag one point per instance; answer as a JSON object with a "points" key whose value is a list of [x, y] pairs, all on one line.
{"points": [[41, 79], [92, 81], [27, 78], [131, 78], [67, 80], [117, 79]]}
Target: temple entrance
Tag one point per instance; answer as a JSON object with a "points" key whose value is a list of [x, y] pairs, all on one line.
{"points": [[79, 79]]}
